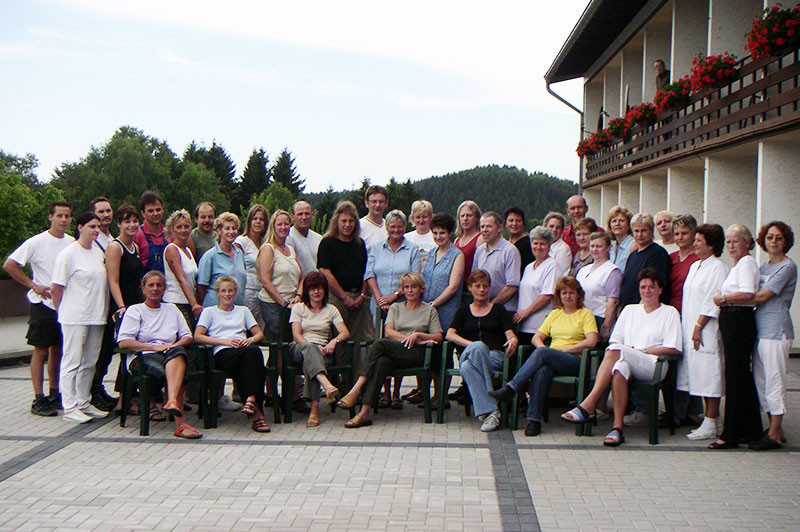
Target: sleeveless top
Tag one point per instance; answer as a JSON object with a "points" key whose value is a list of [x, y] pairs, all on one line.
{"points": [[437, 279], [130, 275], [173, 292], [593, 281], [468, 250], [285, 274]]}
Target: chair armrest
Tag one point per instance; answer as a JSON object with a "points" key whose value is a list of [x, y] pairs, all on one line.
{"points": [[669, 358]]}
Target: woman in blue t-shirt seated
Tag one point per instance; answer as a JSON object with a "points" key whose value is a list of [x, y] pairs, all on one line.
{"points": [[225, 326]]}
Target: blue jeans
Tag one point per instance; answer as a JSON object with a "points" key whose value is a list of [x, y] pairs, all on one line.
{"points": [[540, 368], [477, 362]]}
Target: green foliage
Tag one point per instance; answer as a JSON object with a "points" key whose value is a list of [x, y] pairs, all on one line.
{"points": [[401, 195], [23, 201], [255, 178], [131, 163], [285, 173], [274, 197], [497, 188], [216, 159]]}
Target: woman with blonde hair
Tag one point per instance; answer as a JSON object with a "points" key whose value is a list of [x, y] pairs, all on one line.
{"points": [[619, 225], [468, 238], [278, 272], [224, 258], [180, 270], [420, 218], [255, 227]]}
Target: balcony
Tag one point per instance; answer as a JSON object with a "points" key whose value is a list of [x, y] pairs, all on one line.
{"points": [[762, 102]]}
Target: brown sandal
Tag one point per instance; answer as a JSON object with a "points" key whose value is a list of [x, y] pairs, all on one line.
{"points": [[332, 394], [344, 404], [357, 422], [260, 425], [249, 407], [313, 420]]}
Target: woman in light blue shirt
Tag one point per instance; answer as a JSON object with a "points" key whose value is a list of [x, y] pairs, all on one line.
{"points": [[386, 263], [225, 258]]}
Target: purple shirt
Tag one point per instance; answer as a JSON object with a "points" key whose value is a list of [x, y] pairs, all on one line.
{"points": [[502, 264]]}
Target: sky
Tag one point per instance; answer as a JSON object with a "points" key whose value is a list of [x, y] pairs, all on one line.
{"points": [[353, 89]]}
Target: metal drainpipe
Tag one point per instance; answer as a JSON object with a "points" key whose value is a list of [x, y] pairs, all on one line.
{"points": [[565, 102]]}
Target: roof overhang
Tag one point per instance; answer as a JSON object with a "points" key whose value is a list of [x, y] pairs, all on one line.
{"points": [[604, 28]]}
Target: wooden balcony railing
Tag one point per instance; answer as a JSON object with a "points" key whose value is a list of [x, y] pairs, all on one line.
{"points": [[763, 101]]}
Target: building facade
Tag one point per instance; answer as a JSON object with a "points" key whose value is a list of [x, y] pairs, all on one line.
{"points": [[731, 155]]}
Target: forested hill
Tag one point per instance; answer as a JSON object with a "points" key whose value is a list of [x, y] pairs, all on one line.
{"points": [[497, 188]]}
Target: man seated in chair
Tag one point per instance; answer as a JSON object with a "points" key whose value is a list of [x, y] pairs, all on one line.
{"points": [[643, 332], [160, 332], [410, 325]]}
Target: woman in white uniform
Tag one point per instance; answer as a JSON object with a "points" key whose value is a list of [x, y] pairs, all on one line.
{"points": [[601, 281], [700, 370], [536, 286], [644, 331], [80, 294]]}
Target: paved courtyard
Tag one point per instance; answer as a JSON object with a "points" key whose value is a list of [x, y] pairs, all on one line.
{"points": [[399, 475]]}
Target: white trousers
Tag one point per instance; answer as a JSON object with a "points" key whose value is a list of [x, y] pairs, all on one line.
{"points": [[769, 372], [81, 348], [635, 364]]}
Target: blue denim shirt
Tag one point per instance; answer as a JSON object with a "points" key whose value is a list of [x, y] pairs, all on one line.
{"points": [[387, 266]]}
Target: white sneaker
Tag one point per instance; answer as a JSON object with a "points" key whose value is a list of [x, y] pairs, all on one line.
{"points": [[636, 419], [76, 416], [93, 412], [491, 423], [224, 404], [703, 432]]}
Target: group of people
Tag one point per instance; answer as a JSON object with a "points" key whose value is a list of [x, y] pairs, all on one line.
{"points": [[558, 288]]}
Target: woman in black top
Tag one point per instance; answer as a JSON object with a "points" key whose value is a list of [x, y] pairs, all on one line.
{"points": [[648, 255], [124, 270], [342, 259], [484, 331]]}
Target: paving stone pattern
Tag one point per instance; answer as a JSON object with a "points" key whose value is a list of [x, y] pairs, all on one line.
{"points": [[399, 475]]}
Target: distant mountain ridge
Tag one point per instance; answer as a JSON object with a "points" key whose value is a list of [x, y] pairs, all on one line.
{"points": [[495, 188]]}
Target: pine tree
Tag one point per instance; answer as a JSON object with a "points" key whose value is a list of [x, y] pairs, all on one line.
{"points": [[285, 173], [255, 178]]}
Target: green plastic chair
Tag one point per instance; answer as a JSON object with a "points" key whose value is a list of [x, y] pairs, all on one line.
{"points": [[651, 390]]}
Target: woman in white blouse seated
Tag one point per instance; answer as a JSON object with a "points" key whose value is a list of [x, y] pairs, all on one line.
{"points": [[313, 346], [601, 281], [643, 332], [160, 332], [225, 326], [737, 323], [536, 286], [700, 370]]}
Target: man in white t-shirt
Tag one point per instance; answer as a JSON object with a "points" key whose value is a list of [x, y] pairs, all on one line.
{"points": [[304, 241], [44, 332], [373, 226], [101, 207]]}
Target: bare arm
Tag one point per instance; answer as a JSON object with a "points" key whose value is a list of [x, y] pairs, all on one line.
{"points": [[661, 351], [453, 336], [173, 260], [505, 294], [15, 271], [264, 263], [587, 343], [612, 309], [342, 336], [538, 304], [113, 261], [456, 278], [736, 298], [57, 291], [538, 339]]}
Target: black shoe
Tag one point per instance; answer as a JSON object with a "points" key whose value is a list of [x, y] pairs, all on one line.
{"points": [[534, 428], [460, 392], [764, 444], [102, 401], [268, 402], [506, 393], [42, 407], [55, 401], [300, 407]]}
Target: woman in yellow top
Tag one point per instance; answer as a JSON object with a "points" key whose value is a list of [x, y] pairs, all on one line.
{"points": [[572, 328]]}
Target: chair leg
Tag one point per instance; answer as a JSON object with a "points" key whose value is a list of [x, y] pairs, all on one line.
{"points": [[440, 407], [287, 392], [127, 395], [145, 391], [276, 403], [652, 411], [426, 397]]}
